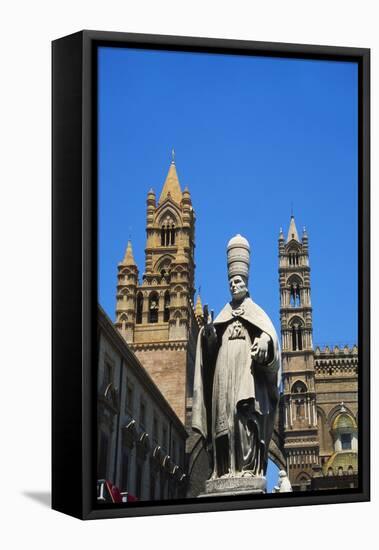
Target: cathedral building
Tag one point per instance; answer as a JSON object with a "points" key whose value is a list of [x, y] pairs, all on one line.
{"points": [[316, 438], [156, 315], [318, 412]]}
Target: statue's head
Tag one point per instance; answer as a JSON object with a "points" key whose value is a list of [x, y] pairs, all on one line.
{"points": [[238, 287], [238, 256], [282, 474]]}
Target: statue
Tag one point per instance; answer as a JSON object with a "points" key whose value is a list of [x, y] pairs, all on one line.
{"points": [[284, 484], [237, 377]]}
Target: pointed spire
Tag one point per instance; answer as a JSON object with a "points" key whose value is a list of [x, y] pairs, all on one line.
{"points": [[129, 258], [199, 307], [281, 235], [171, 186], [292, 231]]}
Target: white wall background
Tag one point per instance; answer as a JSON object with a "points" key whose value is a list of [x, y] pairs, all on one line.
{"points": [[27, 29]]}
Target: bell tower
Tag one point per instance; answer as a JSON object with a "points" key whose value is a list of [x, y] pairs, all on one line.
{"points": [[300, 432], [158, 320]]}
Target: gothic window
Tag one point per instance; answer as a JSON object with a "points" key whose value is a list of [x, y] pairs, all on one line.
{"points": [[330, 471], [153, 307], [163, 266], [297, 336], [139, 308], [293, 257], [299, 387], [124, 294], [168, 232], [166, 312], [295, 299]]}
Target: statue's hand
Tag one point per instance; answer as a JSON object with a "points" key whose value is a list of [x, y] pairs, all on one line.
{"points": [[209, 331], [260, 348]]}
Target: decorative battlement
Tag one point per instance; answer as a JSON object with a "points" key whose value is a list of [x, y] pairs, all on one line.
{"points": [[335, 351], [336, 361], [159, 346]]}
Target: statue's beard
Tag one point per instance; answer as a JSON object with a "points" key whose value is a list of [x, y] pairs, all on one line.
{"points": [[239, 296]]}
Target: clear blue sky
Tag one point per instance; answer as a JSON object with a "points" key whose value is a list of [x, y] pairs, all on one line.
{"points": [[253, 136]]}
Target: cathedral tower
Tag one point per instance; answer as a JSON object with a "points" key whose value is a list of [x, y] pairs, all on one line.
{"points": [[127, 281], [156, 315], [299, 414]]}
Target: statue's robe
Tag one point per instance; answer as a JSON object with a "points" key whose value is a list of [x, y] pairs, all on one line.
{"points": [[235, 398]]}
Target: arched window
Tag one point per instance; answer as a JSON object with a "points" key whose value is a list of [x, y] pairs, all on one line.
{"points": [[153, 307], [295, 295], [123, 320], [124, 293], [139, 308], [168, 232], [177, 317], [344, 428], [330, 471], [295, 285], [299, 389], [163, 266], [297, 335], [293, 257], [166, 311]]}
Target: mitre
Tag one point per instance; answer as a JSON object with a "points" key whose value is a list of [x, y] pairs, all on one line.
{"points": [[238, 257]]}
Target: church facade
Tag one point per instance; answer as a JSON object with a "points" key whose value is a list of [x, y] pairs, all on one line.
{"points": [[315, 438]]}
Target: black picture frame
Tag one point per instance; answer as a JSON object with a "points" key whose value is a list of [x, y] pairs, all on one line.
{"points": [[74, 271]]}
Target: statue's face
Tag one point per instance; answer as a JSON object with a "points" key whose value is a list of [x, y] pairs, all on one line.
{"points": [[238, 287]]}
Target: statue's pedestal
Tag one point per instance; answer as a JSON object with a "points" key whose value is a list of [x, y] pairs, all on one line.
{"points": [[233, 486]]}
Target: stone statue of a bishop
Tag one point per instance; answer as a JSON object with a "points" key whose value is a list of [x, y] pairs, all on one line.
{"points": [[237, 377]]}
